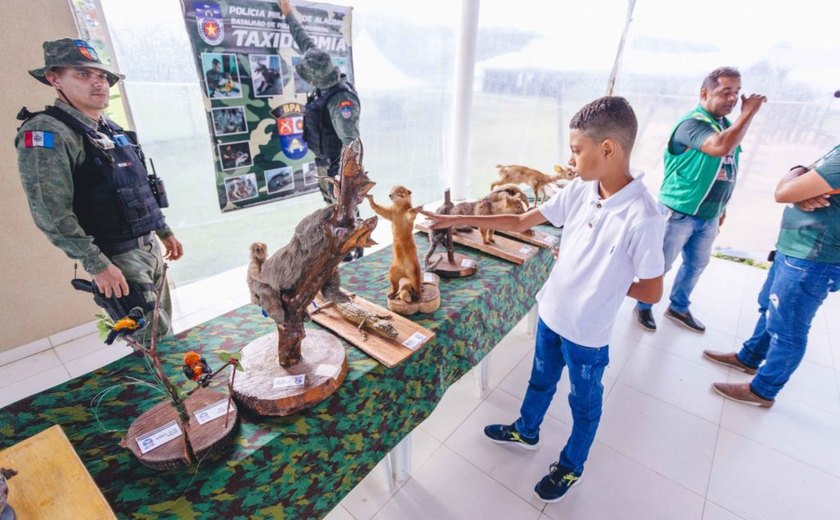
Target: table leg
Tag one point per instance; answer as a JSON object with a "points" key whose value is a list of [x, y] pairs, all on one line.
{"points": [[533, 316], [398, 464], [482, 376]]}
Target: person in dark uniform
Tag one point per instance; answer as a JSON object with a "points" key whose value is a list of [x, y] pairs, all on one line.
{"points": [[331, 119], [87, 186]]}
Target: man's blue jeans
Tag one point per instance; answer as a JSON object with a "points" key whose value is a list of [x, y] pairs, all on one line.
{"points": [[694, 237], [787, 303], [586, 367]]}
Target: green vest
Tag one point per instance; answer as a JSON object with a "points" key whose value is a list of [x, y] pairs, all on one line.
{"points": [[689, 176]]}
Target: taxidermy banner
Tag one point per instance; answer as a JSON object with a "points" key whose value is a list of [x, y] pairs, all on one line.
{"points": [[253, 96]]}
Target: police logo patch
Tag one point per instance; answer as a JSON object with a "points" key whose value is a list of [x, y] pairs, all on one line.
{"points": [[208, 18], [86, 50], [345, 104], [293, 146], [346, 113]]}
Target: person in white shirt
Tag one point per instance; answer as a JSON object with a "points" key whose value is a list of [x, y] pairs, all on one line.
{"points": [[611, 248]]}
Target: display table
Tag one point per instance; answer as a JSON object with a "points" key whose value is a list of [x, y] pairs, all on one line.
{"points": [[299, 466]]}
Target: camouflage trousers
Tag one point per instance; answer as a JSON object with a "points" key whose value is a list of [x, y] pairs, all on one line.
{"points": [[145, 265], [325, 186]]}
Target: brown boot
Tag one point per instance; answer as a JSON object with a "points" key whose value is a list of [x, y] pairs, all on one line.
{"points": [[728, 359], [741, 393]]}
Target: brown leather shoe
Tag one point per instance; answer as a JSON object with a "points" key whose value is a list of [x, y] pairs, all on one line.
{"points": [[741, 393], [728, 359]]}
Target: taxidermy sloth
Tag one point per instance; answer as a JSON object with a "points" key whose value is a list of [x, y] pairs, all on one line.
{"points": [[405, 265]]}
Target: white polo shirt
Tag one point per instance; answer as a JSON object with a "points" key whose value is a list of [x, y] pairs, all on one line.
{"points": [[606, 244]]}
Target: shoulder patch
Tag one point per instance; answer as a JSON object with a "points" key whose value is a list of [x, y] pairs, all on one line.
{"points": [[345, 104], [38, 139]]}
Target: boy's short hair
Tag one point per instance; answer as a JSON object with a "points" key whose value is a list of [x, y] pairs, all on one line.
{"points": [[609, 117], [713, 79]]}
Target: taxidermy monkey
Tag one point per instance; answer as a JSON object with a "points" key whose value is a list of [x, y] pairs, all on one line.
{"points": [[405, 264], [256, 285]]}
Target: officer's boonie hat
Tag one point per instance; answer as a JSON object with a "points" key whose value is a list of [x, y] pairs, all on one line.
{"points": [[71, 53], [317, 69]]}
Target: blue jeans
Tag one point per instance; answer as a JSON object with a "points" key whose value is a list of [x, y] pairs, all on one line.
{"points": [[787, 303], [694, 237], [586, 367]]}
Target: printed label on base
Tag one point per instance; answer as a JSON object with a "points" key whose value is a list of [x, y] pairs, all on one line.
{"points": [[158, 437], [415, 340], [289, 381], [214, 411]]}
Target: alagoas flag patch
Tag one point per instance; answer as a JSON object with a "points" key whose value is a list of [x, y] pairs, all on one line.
{"points": [[38, 139]]}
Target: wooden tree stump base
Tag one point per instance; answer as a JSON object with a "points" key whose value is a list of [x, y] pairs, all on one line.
{"points": [[205, 438], [261, 387], [429, 300], [462, 267]]}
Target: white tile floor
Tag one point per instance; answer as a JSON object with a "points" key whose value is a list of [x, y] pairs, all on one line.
{"points": [[667, 448]]}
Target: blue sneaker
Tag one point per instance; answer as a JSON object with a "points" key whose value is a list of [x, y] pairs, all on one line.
{"points": [[504, 434], [553, 487]]}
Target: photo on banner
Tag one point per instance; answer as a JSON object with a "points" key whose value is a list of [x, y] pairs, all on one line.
{"points": [[266, 75], [229, 121], [245, 56]]}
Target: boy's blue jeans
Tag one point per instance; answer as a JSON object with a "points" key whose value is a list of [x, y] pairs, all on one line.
{"points": [[586, 367], [694, 237], [787, 303]]}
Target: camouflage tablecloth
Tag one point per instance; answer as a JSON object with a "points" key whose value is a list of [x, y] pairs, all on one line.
{"points": [[297, 467]]}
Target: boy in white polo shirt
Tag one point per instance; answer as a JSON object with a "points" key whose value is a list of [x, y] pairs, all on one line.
{"points": [[612, 233]]}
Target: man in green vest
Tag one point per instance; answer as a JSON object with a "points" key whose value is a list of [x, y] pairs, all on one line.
{"points": [[701, 166]]}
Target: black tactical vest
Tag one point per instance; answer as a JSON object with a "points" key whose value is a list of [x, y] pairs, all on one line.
{"points": [[111, 197], [318, 131]]}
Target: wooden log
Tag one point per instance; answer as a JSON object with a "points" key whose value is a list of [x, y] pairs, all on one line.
{"points": [[205, 438], [460, 266], [261, 386], [429, 300]]}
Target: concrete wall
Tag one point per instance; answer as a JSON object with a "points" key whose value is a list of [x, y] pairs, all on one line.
{"points": [[36, 298]]}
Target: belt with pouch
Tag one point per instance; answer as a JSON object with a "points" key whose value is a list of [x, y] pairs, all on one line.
{"points": [[116, 248]]}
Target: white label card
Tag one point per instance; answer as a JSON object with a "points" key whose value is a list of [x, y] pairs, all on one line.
{"points": [[330, 371], [214, 411], [429, 278], [550, 240], [414, 341], [466, 262], [289, 381], [525, 250], [158, 437]]}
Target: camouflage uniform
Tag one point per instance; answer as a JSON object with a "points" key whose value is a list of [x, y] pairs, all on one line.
{"points": [[47, 177], [317, 69]]}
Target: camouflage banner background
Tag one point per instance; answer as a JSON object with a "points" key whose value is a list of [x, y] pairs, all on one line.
{"points": [[254, 98]]}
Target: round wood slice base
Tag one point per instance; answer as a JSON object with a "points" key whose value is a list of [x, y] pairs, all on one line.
{"points": [[429, 300], [456, 269], [324, 365], [205, 438]]}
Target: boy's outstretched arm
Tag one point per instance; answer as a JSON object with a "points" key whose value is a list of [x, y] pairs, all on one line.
{"points": [[648, 290], [515, 223]]}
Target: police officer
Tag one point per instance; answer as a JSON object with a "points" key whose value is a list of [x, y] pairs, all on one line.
{"points": [[331, 119], [87, 184]]}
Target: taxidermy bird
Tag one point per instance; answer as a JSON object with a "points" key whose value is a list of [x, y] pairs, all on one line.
{"points": [[126, 325], [196, 368]]}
